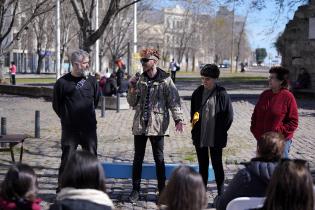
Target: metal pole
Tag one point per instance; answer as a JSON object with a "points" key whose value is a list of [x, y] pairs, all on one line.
{"points": [[232, 41], [118, 101], [103, 106], [37, 124], [128, 58], [58, 69], [232, 44], [3, 126], [135, 29], [97, 43]]}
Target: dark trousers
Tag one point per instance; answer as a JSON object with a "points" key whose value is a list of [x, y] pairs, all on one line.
{"points": [[70, 141], [173, 75], [157, 143], [13, 79], [216, 160]]}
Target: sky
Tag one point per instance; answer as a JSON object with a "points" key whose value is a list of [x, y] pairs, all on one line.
{"points": [[261, 30]]}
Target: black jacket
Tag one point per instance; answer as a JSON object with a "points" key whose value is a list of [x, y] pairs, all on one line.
{"points": [[75, 100], [110, 87], [223, 115], [252, 181]]}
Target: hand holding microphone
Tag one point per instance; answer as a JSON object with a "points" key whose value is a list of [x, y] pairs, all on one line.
{"points": [[133, 82]]}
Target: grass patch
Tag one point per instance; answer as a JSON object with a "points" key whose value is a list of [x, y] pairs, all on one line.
{"points": [[35, 80], [190, 157]]}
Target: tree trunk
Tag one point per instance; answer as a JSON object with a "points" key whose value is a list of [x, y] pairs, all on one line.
{"points": [[62, 60], [193, 63], [40, 63]]}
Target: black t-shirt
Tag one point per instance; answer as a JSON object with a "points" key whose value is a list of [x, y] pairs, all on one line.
{"points": [[75, 100]]}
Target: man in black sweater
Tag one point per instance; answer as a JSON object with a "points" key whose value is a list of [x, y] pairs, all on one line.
{"points": [[74, 101]]}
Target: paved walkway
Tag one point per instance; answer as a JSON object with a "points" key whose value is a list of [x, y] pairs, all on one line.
{"points": [[116, 141]]}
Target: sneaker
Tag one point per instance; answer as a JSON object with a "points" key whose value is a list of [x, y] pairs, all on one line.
{"points": [[134, 196]]}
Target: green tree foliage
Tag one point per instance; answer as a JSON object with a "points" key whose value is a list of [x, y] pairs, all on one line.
{"points": [[261, 54]]}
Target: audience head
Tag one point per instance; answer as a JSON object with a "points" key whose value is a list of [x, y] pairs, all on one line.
{"points": [[20, 183], [279, 74], [97, 76], [185, 190], [291, 187], [270, 146], [83, 171], [210, 70]]}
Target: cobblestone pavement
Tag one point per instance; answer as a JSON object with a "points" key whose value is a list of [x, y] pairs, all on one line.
{"points": [[116, 141]]}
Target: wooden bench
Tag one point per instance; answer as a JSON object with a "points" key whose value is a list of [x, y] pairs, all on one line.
{"points": [[12, 140], [124, 170]]}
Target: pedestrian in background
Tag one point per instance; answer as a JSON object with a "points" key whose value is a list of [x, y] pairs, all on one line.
{"points": [[120, 72], [12, 71], [276, 109], [211, 117], [74, 101], [152, 94], [173, 68]]}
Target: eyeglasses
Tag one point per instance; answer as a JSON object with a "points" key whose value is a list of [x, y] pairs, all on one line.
{"points": [[144, 60]]}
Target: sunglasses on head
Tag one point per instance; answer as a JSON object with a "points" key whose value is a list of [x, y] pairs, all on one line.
{"points": [[144, 60]]}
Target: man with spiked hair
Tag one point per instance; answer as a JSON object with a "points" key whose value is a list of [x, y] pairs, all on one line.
{"points": [[152, 95]]}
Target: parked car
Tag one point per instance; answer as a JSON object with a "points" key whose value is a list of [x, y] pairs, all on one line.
{"points": [[223, 65]]}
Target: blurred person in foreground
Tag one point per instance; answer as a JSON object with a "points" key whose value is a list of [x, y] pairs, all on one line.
{"points": [[184, 191], [291, 187], [253, 180]]}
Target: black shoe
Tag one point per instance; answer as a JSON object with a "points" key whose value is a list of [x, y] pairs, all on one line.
{"points": [[134, 196]]}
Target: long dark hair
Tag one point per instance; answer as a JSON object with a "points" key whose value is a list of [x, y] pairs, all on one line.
{"points": [[185, 190], [291, 187], [20, 185], [83, 171]]}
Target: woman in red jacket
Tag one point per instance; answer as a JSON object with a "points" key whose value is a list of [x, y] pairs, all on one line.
{"points": [[276, 109]]}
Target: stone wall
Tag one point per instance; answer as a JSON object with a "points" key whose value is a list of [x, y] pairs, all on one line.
{"points": [[32, 91], [296, 48]]}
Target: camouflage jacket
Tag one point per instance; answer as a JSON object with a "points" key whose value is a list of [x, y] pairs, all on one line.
{"points": [[163, 97]]}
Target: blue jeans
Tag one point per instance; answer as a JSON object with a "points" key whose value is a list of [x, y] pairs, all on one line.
{"points": [[287, 146]]}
